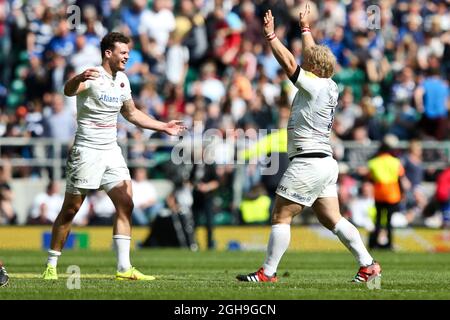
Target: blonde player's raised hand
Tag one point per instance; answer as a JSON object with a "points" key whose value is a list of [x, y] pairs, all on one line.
{"points": [[303, 16], [269, 23]]}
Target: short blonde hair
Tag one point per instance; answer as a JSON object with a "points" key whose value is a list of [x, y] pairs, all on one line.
{"points": [[322, 59]]}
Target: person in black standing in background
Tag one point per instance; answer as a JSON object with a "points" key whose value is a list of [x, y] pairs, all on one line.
{"points": [[205, 181]]}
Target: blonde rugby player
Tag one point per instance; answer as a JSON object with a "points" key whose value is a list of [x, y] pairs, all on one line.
{"points": [[311, 177]]}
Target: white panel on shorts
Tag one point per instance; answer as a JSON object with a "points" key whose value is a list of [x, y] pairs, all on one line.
{"points": [[330, 191], [89, 169], [116, 170], [307, 179]]}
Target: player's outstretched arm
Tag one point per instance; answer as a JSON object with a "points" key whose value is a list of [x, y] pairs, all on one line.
{"points": [[284, 57], [76, 84], [140, 119]]}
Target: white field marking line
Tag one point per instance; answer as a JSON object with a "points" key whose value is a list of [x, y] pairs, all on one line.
{"points": [[39, 276], [64, 275]]}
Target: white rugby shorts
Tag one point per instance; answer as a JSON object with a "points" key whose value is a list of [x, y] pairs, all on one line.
{"points": [[307, 179], [90, 169]]}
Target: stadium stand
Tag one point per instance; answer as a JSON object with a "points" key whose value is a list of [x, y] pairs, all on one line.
{"points": [[393, 72]]}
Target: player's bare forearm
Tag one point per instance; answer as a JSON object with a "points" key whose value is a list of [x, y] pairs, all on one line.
{"points": [[139, 118], [76, 84], [71, 86], [418, 99], [307, 40], [284, 57]]}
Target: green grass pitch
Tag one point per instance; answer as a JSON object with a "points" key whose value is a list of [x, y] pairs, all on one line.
{"points": [[182, 274]]}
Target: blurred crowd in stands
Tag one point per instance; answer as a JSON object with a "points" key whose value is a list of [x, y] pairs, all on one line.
{"points": [[207, 61]]}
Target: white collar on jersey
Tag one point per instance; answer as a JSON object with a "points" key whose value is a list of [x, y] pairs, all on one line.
{"points": [[108, 75]]}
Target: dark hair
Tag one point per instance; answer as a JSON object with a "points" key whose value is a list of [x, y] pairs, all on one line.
{"points": [[433, 72], [110, 39], [50, 185], [384, 148]]}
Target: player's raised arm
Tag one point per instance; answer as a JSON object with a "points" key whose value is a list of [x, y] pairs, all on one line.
{"points": [[77, 84], [284, 57], [140, 119]]}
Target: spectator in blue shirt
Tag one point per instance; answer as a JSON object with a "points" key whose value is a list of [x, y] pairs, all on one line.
{"points": [[131, 16], [413, 27], [432, 100], [136, 69], [336, 44], [63, 43]]}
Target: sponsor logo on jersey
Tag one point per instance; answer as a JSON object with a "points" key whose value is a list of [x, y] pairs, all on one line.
{"points": [[106, 98]]}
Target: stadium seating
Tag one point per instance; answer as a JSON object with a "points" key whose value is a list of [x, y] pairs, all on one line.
{"points": [[32, 187]]}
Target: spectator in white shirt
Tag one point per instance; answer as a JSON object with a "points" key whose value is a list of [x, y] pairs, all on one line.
{"points": [[46, 205], [209, 86], [156, 24], [177, 60], [145, 198], [87, 55], [103, 209], [363, 207], [60, 124]]}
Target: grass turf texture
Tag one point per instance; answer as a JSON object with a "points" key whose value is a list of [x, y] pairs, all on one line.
{"points": [[189, 275]]}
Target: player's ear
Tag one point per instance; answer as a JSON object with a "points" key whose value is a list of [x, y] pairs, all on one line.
{"points": [[108, 53]]}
